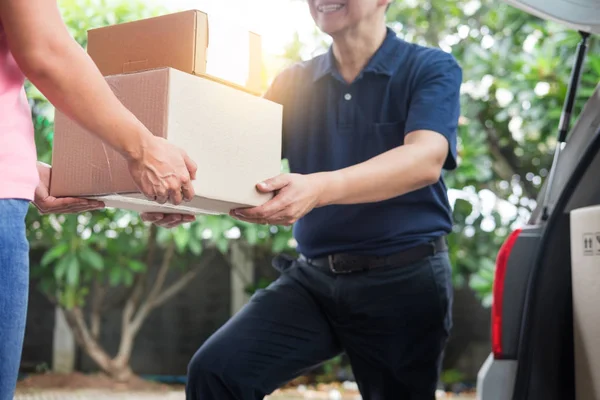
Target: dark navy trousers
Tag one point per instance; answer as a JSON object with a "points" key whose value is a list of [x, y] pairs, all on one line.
{"points": [[392, 322]]}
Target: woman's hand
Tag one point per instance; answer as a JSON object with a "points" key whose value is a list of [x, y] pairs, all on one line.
{"points": [[295, 196], [47, 204], [163, 172], [167, 220]]}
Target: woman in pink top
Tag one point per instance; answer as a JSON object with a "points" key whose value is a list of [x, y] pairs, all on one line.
{"points": [[35, 44]]}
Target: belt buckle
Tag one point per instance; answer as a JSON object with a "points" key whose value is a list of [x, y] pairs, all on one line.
{"points": [[342, 270]]}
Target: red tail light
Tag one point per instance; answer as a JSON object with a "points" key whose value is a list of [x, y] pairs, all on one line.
{"points": [[498, 291]]}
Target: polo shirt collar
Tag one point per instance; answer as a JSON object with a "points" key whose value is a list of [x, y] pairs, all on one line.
{"points": [[380, 63]]}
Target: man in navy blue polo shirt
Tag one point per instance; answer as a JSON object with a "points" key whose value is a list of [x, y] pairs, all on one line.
{"points": [[368, 128]]}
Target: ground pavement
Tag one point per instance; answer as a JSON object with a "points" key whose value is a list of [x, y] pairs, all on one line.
{"points": [[97, 395], [106, 395]]}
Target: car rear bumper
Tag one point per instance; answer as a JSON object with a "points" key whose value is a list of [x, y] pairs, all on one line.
{"points": [[496, 379]]}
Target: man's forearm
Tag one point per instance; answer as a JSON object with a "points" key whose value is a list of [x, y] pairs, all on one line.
{"points": [[394, 173], [64, 73]]}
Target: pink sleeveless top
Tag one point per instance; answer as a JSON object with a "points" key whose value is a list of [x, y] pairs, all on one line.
{"points": [[18, 172]]}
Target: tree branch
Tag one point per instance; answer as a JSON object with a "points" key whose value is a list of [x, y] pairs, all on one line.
{"points": [[139, 280], [507, 156], [134, 313], [432, 35], [82, 335], [97, 298], [182, 282], [239, 252], [146, 306]]}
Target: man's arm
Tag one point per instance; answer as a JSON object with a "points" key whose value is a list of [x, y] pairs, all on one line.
{"points": [[396, 172], [429, 145]]}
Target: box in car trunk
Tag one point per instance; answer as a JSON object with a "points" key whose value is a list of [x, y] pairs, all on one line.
{"points": [[585, 271]]}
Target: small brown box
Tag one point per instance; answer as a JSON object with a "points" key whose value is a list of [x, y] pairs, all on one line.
{"points": [[180, 40]]}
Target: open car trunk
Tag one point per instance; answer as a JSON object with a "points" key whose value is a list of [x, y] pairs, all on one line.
{"points": [[579, 15], [546, 368]]}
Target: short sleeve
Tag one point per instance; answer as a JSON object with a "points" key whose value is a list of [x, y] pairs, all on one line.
{"points": [[276, 90], [435, 103]]}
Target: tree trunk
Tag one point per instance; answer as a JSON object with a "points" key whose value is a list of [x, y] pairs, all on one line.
{"points": [[117, 368], [136, 310], [120, 370]]}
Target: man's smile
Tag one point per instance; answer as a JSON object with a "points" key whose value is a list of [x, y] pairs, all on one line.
{"points": [[329, 7]]}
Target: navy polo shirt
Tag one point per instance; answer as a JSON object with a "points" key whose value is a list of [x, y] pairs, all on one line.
{"points": [[329, 124]]}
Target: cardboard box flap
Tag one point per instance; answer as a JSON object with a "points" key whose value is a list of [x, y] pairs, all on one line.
{"points": [[228, 46]]}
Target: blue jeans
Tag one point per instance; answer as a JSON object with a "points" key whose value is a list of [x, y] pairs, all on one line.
{"points": [[14, 288], [392, 323]]}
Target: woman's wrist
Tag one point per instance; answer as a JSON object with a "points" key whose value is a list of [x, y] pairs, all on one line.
{"points": [[134, 142]]}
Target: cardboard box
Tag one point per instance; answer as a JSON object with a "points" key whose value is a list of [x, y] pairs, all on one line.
{"points": [[185, 41], [234, 137], [585, 272]]}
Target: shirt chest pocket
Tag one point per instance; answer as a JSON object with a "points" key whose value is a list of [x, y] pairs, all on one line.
{"points": [[379, 137]]}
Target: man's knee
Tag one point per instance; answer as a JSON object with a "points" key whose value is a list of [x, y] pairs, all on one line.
{"points": [[202, 365]]}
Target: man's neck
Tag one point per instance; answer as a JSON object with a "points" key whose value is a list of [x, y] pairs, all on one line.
{"points": [[354, 48]]}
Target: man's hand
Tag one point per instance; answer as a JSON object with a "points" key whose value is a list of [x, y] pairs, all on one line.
{"points": [[167, 220], [47, 204], [295, 196]]}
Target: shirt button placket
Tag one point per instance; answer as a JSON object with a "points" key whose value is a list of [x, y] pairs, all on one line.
{"points": [[346, 111]]}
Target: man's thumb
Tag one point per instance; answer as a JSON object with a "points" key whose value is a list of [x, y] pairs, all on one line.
{"points": [[270, 185]]}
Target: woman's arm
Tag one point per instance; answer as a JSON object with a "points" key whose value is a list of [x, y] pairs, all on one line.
{"points": [[55, 63]]}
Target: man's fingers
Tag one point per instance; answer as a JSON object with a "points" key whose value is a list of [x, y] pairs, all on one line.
{"points": [[259, 221], [173, 220], [167, 220], [273, 206], [152, 217], [273, 184]]}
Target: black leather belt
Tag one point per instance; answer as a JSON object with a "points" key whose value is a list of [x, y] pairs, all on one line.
{"points": [[348, 263]]}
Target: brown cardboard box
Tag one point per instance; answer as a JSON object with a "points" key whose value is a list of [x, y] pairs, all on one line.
{"points": [[585, 273], [233, 136], [184, 41]]}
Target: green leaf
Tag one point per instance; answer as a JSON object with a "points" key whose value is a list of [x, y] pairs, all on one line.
{"points": [[280, 243], [73, 271], [163, 235], [136, 266], [251, 234], [61, 267], [195, 246], [222, 244], [115, 275], [54, 253], [92, 258], [127, 277], [182, 237]]}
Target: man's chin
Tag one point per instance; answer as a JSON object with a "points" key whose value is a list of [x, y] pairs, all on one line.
{"points": [[331, 29]]}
